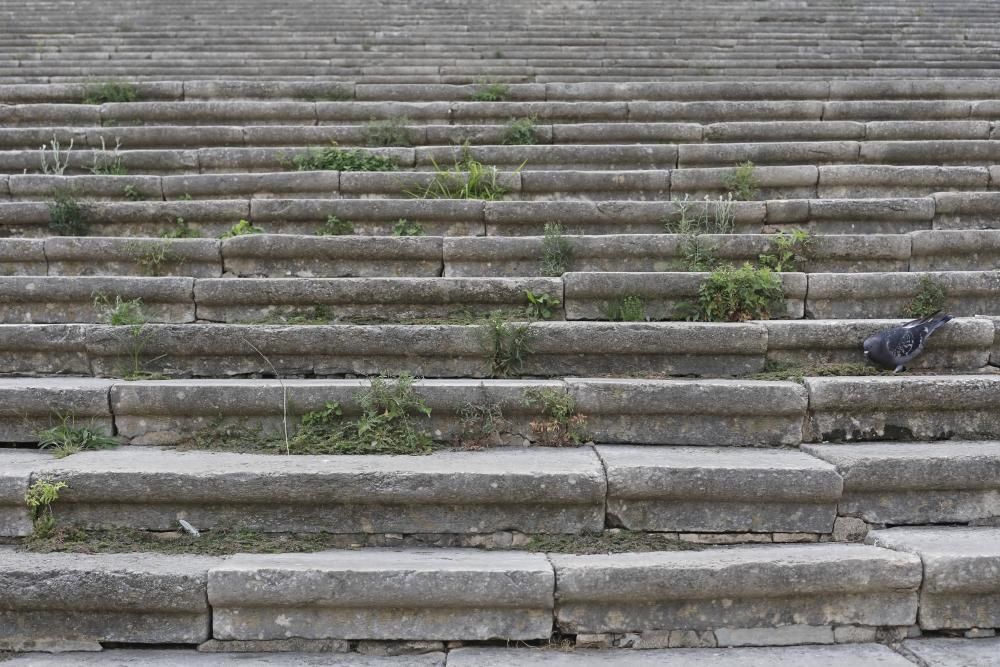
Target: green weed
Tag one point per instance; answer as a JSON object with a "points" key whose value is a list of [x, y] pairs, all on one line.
{"points": [[559, 424], [557, 253], [59, 162], [108, 163], [333, 158], [67, 438], [67, 216], [39, 499], [334, 226], [110, 91], [519, 132], [929, 299], [180, 230], [742, 183], [132, 194], [540, 306], [132, 316], [697, 254], [483, 424], [491, 92], [404, 227], [736, 295], [791, 252], [629, 308], [468, 179], [386, 133], [241, 228], [509, 344]]}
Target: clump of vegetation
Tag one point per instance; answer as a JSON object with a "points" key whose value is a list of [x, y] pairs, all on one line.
{"points": [[482, 424], [59, 162], [742, 183], [791, 251], [132, 315], [386, 133], [509, 344], [333, 158], [559, 424], [67, 438], [241, 228], [119, 312], [697, 254], [540, 306], [557, 253], [708, 216], [334, 226], [777, 371], [629, 308], [736, 295], [108, 163], [151, 256], [39, 498], [929, 299], [132, 194], [519, 132], [491, 92], [180, 230], [319, 314], [67, 215], [468, 179], [110, 91], [404, 227]]}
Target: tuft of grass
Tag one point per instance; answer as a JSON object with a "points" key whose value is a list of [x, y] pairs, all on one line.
{"points": [[491, 92], [132, 194], [39, 499], [467, 179], [791, 252], [509, 344], [334, 226], [559, 424], [404, 227], [132, 316], [109, 162], [557, 253], [742, 183], [629, 308], [68, 438], [609, 542], [929, 299], [540, 306], [241, 228], [318, 314], [110, 91], [519, 132], [708, 216], [151, 256], [180, 230], [697, 254], [333, 158], [387, 133], [736, 295], [483, 424], [67, 216]]}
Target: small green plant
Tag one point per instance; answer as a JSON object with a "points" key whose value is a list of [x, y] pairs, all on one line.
{"points": [[132, 316], [559, 424], [557, 253], [67, 216], [791, 251], [241, 228], [508, 343], [108, 163], [132, 194], [468, 179], [334, 226], [519, 132], [483, 424], [736, 295], [180, 230], [742, 183], [39, 498], [119, 312], [540, 306], [929, 299], [333, 158], [708, 216], [404, 227], [60, 161], [67, 438], [629, 308], [491, 92], [151, 256], [386, 133], [110, 91], [698, 254]]}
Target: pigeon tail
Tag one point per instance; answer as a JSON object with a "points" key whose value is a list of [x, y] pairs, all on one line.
{"points": [[937, 320]]}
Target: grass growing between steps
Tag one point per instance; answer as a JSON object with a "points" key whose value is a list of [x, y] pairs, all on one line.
{"points": [[774, 371]]}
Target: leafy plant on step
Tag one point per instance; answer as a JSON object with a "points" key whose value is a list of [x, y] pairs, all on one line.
{"points": [[108, 163], [482, 424], [929, 299], [132, 194], [729, 294], [629, 308], [334, 226], [557, 253], [707, 216], [333, 158], [131, 315], [151, 256], [110, 91], [541, 306], [180, 230], [386, 133], [67, 215], [60, 160], [467, 179], [742, 183], [559, 424], [698, 254], [404, 227], [68, 438], [508, 344], [791, 251], [39, 499], [491, 92], [519, 132], [241, 228]]}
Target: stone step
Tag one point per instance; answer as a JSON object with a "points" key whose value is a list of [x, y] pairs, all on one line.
{"points": [[159, 657], [460, 350], [960, 587], [917, 483]]}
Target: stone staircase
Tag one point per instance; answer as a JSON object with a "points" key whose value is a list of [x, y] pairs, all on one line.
{"points": [[588, 472]]}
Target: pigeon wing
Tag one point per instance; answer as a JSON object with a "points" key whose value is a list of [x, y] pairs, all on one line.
{"points": [[905, 343]]}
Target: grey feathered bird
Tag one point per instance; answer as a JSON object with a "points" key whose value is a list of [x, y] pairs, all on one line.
{"points": [[898, 346]]}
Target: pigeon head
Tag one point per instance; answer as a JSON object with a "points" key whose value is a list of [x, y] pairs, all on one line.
{"points": [[869, 346]]}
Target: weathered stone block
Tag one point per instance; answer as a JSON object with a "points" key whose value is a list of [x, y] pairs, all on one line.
{"points": [[72, 256], [862, 181], [719, 489], [28, 405], [371, 216], [796, 130], [796, 182], [554, 157], [957, 250], [781, 152], [255, 185], [889, 130], [43, 186], [926, 152], [596, 185], [715, 111], [967, 210], [945, 652], [53, 300], [16, 467], [383, 594], [786, 635], [43, 349]]}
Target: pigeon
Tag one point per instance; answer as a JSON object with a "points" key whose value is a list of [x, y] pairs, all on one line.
{"points": [[896, 347]]}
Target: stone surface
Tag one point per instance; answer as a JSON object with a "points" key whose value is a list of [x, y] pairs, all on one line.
{"points": [[853, 634], [719, 489], [941, 652], [757, 586], [383, 594], [29, 405], [786, 635], [175, 657], [275, 646], [16, 466], [917, 483], [961, 589], [43, 349], [51, 300]]}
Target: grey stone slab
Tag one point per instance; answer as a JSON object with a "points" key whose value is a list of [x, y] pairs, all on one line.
{"points": [[282, 256], [108, 256], [896, 109], [33, 404], [266, 90], [804, 130], [528, 490], [955, 250], [557, 157], [22, 257], [770, 153], [208, 218], [577, 133], [960, 587], [362, 112], [743, 587], [687, 90], [781, 182], [175, 657], [964, 344], [260, 160], [190, 112], [553, 111], [596, 185], [718, 111], [383, 594], [943, 652], [39, 186], [259, 186], [403, 92], [861, 181], [858, 216], [790, 656], [51, 300], [967, 210], [16, 466], [691, 412], [591, 296], [927, 129], [165, 136], [43, 349], [437, 217], [917, 483], [131, 598], [719, 489], [902, 408], [866, 295], [924, 152]]}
